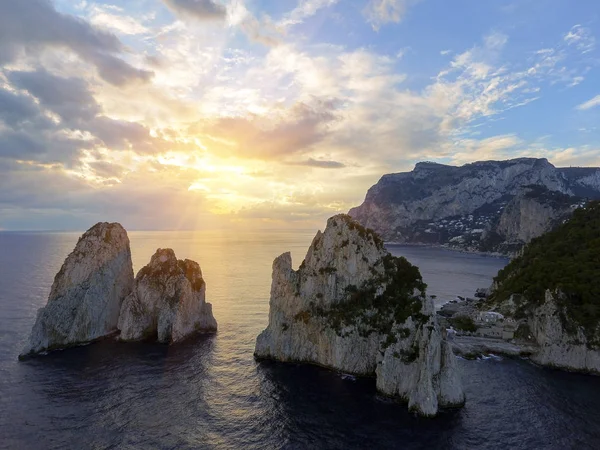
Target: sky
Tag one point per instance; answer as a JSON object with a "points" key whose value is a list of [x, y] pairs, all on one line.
{"points": [[204, 114]]}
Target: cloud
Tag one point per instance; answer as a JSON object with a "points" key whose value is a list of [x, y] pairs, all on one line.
{"points": [[101, 17], [69, 97], [381, 12], [30, 27], [264, 31], [19, 145], [496, 147], [223, 131], [52, 119], [304, 10], [581, 38], [591, 103], [197, 9], [321, 163], [287, 132], [16, 109]]}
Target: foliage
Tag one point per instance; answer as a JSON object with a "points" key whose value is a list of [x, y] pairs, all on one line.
{"points": [[327, 270], [374, 311], [566, 259], [364, 233], [463, 323]]}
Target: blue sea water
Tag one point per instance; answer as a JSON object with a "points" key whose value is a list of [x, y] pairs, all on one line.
{"points": [[209, 392]]}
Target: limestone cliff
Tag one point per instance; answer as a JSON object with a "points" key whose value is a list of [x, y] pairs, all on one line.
{"points": [[353, 307], [87, 292], [167, 303], [559, 346], [552, 289], [464, 207], [531, 213]]}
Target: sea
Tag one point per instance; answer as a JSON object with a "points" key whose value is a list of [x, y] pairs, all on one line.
{"points": [[210, 393]]}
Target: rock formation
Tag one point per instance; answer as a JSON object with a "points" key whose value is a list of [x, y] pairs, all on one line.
{"points": [[86, 296], [558, 346], [471, 207], [353, 307], [167, 303], [531, 213], [552, 290]]}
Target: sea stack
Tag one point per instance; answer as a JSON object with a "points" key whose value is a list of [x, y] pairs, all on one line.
{"points": [[86, 296], [167, 303], [353, 307]]}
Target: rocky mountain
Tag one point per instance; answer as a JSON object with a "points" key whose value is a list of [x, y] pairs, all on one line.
{"points": [[353, 307], [94, 295], [494, 206], [552, 290], [167, 303], [86, 296]]}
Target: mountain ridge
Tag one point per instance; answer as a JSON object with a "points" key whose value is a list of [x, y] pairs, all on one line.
{"points": [[462, 207]]}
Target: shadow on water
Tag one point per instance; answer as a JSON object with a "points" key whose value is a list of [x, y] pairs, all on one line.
{"points": [[303, 398]]}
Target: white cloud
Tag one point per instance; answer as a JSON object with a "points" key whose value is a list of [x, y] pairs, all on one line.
{"points": [[581, 38], [295, 128], [590, 103], [120, 23], [381, 12], [304, 10]]}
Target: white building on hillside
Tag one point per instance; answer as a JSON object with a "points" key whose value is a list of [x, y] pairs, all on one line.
{"points": [[489, 317]]}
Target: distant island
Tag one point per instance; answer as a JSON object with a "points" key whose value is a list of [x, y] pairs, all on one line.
{"points": [[486, 206]]}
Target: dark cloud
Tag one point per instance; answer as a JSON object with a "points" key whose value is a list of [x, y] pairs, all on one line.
{"points": [[120, 134], [197, 9], [70, 98], [116, 71], [16, 110], [32, 25], [18, 145], [323, 164], [42, 146], [32, 136]]}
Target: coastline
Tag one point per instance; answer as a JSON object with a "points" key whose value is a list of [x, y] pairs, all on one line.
{"points": [[471, 347], [453, 249]]}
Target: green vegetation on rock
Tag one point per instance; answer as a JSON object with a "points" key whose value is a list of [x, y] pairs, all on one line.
{"points": [[463, 323], [365, 233], [566, 259], [373, 311]]}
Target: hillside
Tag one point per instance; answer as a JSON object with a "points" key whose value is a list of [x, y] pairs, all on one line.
{"points": [[494, 206], [566, 260]]}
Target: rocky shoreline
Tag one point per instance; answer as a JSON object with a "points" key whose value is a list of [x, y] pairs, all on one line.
{"points": [[454, 249], [472, 347]]}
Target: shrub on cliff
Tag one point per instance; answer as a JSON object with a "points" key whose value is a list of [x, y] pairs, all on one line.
{"points": [[565, 259]]}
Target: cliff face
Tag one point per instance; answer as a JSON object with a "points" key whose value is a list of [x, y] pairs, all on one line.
{"points": [[353, 307], [167, 303], [552, 289], [87, 292], [530, 214], [558, 347], [463, 207]]}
